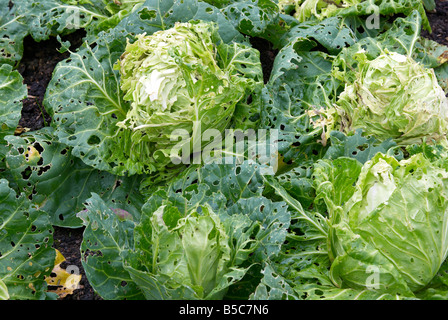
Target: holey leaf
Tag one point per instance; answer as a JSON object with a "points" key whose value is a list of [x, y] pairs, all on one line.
{"points": [[257, 18], [106, 242], [274, 219], [84, 101], [12, 31], [359, 146], [403, 37], [51, 17], [12, 91], [333, 33], [26, 255], [300, 81], [155, 15], [59, 183], [47, 18]]}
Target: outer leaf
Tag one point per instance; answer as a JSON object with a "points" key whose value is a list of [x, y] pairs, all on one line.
{"points": [[306, 241], [26, 255], [234, 181], [84, 101], [299, 184], [316, 224], [48, 18], [359, 146], [319, 10], [273, 287], [257, 18], [157, 15], [300, 81], [105, 247], [274, 219], [12, 32], [12, 91], [405, 7], [59, 183], [334, 180], [52, 17], [333, 33]]}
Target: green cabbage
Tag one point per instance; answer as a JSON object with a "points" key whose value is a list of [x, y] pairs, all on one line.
{"points": [[200, 237], [183, 81], [192, 252], [389, 234], [395, 97]]}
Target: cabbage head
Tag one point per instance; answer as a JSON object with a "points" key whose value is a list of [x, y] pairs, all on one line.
{"points": [[190, 257], [389, 234], [393, 96], [181, 82]]}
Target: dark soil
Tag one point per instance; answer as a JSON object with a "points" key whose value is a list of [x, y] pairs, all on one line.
{"points": [[37, 66], [267, 55], [439, 23], [68, 242]]}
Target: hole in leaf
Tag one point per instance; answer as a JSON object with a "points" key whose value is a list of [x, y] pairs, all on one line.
{"points": [[146, 14], [93, 140]]}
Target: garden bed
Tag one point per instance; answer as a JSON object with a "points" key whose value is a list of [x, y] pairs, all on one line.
{"points": [[36, 67]]}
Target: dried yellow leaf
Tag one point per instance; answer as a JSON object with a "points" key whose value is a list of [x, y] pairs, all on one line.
{"points": [[443, 57], [19, 130], [65, 283]]}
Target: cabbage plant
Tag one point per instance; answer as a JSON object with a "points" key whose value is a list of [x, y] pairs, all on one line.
{"points": [[390, 234], [141, 97], [348, 215], [201, 237], [178, 81], [190, 255], [393, 96]]}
